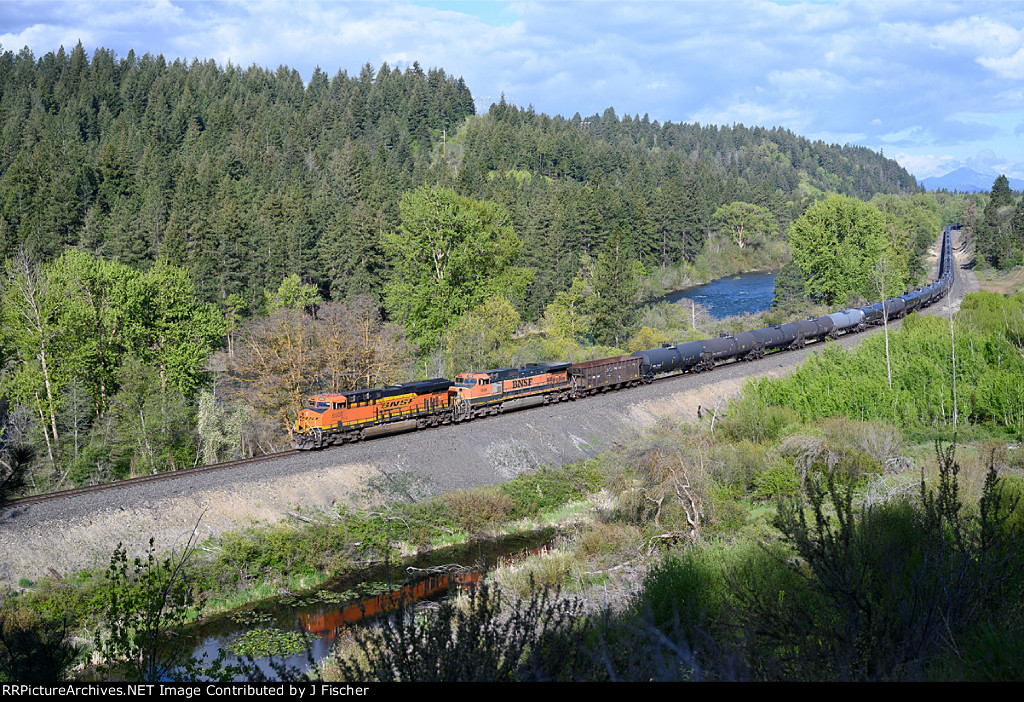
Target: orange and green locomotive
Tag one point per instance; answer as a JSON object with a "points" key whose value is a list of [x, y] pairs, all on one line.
{"points": [[487, 392], [342, 417]]}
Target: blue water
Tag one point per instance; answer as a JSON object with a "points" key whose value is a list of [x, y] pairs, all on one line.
{"points": [[728, 297]]}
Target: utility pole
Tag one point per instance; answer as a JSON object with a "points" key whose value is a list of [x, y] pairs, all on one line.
{"points": [[879, 273]]}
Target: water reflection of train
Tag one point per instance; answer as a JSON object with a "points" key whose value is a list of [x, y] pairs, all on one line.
{"points": [[327, 623], [344, 417]]}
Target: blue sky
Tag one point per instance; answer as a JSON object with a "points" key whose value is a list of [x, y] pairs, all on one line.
{"points": [[936, 85]]}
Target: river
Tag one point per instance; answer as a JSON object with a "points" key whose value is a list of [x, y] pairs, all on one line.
{"points": [[729, 296]]}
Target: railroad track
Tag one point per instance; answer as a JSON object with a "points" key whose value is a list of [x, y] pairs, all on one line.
{"points": [[140, 479]]}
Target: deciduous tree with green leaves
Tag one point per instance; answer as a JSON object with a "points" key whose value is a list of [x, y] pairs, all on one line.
{"points": [[744, 222], [150, 603], [72, 326], [837, 244], [568, 317], [449, 255], [482, 337]]}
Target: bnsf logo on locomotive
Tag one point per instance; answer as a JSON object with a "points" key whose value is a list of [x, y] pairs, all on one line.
{"points": [[521, 383], [394, 403]]}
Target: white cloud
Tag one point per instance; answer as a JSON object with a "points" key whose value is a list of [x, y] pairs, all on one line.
{"points": [[751, 113], [912, 133], [805, 81], [42, 38], [976, 32], [1010, 67], [987, 160], [928, 165]]}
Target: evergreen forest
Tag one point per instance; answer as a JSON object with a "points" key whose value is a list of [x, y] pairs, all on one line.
{"points": [[246, 176]]}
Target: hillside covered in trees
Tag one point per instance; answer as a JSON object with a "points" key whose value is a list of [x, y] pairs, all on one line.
{"points": [[246, 176], [998, 228]]}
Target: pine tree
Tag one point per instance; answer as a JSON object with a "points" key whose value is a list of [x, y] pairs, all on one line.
{"points": [[993, 239], [616, 283]]}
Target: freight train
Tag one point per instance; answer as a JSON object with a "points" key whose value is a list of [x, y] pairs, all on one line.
{"points": [[334, 419]]}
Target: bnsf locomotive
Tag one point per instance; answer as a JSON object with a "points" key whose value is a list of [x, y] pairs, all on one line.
{"points": [[345, 416]]}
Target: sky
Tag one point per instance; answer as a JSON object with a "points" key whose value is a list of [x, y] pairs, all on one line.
{"points": [[935, 85]]}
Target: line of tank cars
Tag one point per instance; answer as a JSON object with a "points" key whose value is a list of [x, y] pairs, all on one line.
{"points": [[334, 419]]}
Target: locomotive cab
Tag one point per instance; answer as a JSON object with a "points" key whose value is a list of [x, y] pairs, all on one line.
{"points": [[472, 386], [319, 412]]}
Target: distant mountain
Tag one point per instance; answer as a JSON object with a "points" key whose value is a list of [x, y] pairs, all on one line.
{"points": [[966, 180]]}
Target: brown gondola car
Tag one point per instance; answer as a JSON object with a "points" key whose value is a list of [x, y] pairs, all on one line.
{"points": [[342, 417], [605, 374]]}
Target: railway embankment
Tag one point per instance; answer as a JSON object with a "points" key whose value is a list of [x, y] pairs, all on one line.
{"points": [[61, 537]]}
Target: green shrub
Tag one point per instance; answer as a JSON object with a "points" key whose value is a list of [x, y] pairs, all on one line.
{"points": [[541, 638], [695, 594], [738, 464], [752, 419], [150, 602], [898, 580], [881, 441], [35, 648], [476, 509], [602, 539], [993, 652], [727, 513], [682, 588], [1013, 497], [555, 570], [779, 479], [814, 455], [550, 487], [419, 523]]}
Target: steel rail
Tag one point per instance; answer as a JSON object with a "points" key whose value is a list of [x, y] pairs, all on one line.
{"points": [[143, 479]]}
